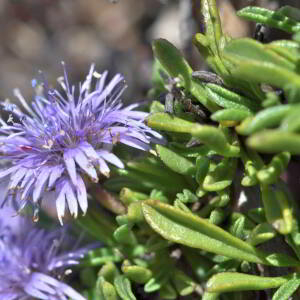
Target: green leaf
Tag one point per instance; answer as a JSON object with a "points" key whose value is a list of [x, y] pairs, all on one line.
{"points": [[186, 196], [217, 216], [190, 230], [230, 114], [238, 227], [271, 173], [291, 12], [109, 272], [234, 281], [175, 162], [183, 283], [211, 296], [221, 177], [286, 49], [228, 99], [277, 208], [249, 49], [156, 107], [137, 273], [158, 82], [259, 72], [216, 139], [172, 61], [213, 29], [199, 91], [105, 290], [211, 44], [164, 121], [274, 141], [257, 215], [167, 292], [128, 196], [124, 235], [123, 287], [202, 168], [291, 122], [287, 290], [156, 283], [266, 118], [270, 18], [100, 256], [280, 259], [261, 233]]}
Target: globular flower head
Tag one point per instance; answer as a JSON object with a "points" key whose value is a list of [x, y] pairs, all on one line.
{"points": [[64, 137], [32, 259]]}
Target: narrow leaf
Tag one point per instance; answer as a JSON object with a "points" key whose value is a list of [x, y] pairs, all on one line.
{"points": [[287, 290], [175, 162], [233, 281], [190, 230], [270, 18], [123, 287]]}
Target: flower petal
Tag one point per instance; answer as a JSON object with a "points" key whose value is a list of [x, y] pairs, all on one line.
{"points": [[72, 201], [85, 165], [111, 158], [70, 164], [81, 195]]}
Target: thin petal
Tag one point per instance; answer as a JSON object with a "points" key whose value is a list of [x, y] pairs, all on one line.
{"points": [[70, 164], [61, 204], [81, 194], [89, 151], [104, 169], [17, 177], [70, 292], [135, 143], [56, 172], [40, 183], [85, 165], [72, 201], [111, 158], [6, 172]]}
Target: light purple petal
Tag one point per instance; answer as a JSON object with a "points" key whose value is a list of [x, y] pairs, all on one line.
{"points": [[71, 292], [6, 172], [111, 158], [81, 195], [40, 183], [85, 165], [135, 143], [70, 164], [104, 169], [89, 151], [72, 201], [61, 203], [56, 173], [28, 188], [17, 177]]}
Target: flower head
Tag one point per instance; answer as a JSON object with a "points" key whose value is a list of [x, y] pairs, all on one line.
{"points": [[31, 259], [65, 136]]}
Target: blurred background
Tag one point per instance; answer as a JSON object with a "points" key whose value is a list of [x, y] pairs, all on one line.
{"points": [[116, 35]]}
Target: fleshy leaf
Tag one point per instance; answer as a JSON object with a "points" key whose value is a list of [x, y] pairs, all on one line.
{"points": [[175, 162], [187, 229], [287, 290], [123, 287], [271, 18], [233, 281]]}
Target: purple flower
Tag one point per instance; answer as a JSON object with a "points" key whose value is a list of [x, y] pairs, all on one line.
{"points": [[32, 259], [65, 137]]}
